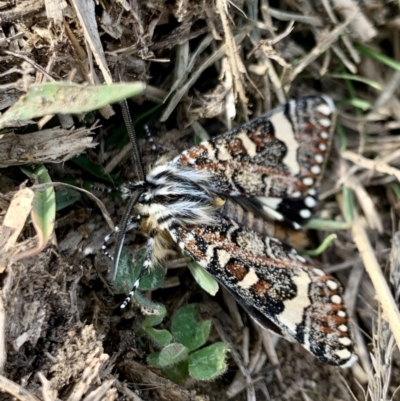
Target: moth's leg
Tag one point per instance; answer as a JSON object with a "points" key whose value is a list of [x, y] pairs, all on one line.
{"points": [[132, 225], [146, 267]]}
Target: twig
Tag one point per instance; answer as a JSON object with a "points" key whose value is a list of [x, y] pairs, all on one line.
{"points": [[14, 389], [371, 164], [233, 56]]}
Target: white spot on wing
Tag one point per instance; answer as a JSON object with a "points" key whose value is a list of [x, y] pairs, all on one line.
{"points": [[315, 170], [210, 149], [336, 299], [343, 328], [324, 135], [318, 272], [346, 341], [248, 144], [223, 257], [341, 313], [273, 214], [270, 205], [305, 214], [284, 132], [210, 253], [310, 202], [249, 279], [223, 153], [319, 158], [296, 226], [343, 354], [292, 315], [324, 109], [332, 285], [325, 122], [308, 181]]}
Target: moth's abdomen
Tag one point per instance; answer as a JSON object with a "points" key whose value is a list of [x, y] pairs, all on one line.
{"points": [[246, 218]]}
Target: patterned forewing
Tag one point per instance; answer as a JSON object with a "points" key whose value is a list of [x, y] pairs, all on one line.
{"points": [[277, 159], [266, 275]]}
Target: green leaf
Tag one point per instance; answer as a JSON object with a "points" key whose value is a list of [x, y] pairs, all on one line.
{"points": [[322, 248], [152, 359], [61, 97], [123, 282], [348, 204], [128, 271], [356, 102], [203, 278], [152, 279], [65, 197], [95, 170], [160, 337], [159, 312], [358, 78], [390, 62], [188, 329], [44, 205], [177, 373], [209, 362], [324, 224], [171, 355]]}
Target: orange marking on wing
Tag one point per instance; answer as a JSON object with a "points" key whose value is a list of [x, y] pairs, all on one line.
{"points": [[236, 269], [261, 287]]}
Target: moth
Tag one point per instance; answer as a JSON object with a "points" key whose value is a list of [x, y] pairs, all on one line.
{"points": [[272, 167]]}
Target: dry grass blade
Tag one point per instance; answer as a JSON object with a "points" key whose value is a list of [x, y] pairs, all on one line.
{"points": [[360, 26], [86, 14], [233, 56], [15, 390], [14, 222], [372, 165], [324, 43], [374, 271]]}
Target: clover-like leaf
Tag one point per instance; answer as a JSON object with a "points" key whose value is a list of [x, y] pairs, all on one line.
{"points": [[209, 362], [188, 329]]}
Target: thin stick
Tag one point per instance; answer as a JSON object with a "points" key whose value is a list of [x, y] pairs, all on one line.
{"points": [[371, 264], [14, 389]]}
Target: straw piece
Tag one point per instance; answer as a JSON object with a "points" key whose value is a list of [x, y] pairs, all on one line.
{"points": [[371, 264]]}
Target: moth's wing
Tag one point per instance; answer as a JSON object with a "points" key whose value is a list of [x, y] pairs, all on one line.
{"points": [[276, 161], [273, 283]]}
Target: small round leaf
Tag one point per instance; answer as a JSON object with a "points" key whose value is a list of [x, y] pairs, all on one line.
{"points": [[188, 329], [177, 373], [160, 337], [209, 362], [172, 354]]}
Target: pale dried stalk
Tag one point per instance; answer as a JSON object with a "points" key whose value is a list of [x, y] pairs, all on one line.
{"points": [[374, 271], [369, 164], [232, 53]]}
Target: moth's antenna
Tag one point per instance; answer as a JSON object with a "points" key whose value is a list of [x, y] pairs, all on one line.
{"points": [[122, 229], [137, 157]]}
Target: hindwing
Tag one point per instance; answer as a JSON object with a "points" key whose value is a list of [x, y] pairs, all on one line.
{"points": [[277, 287]]}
